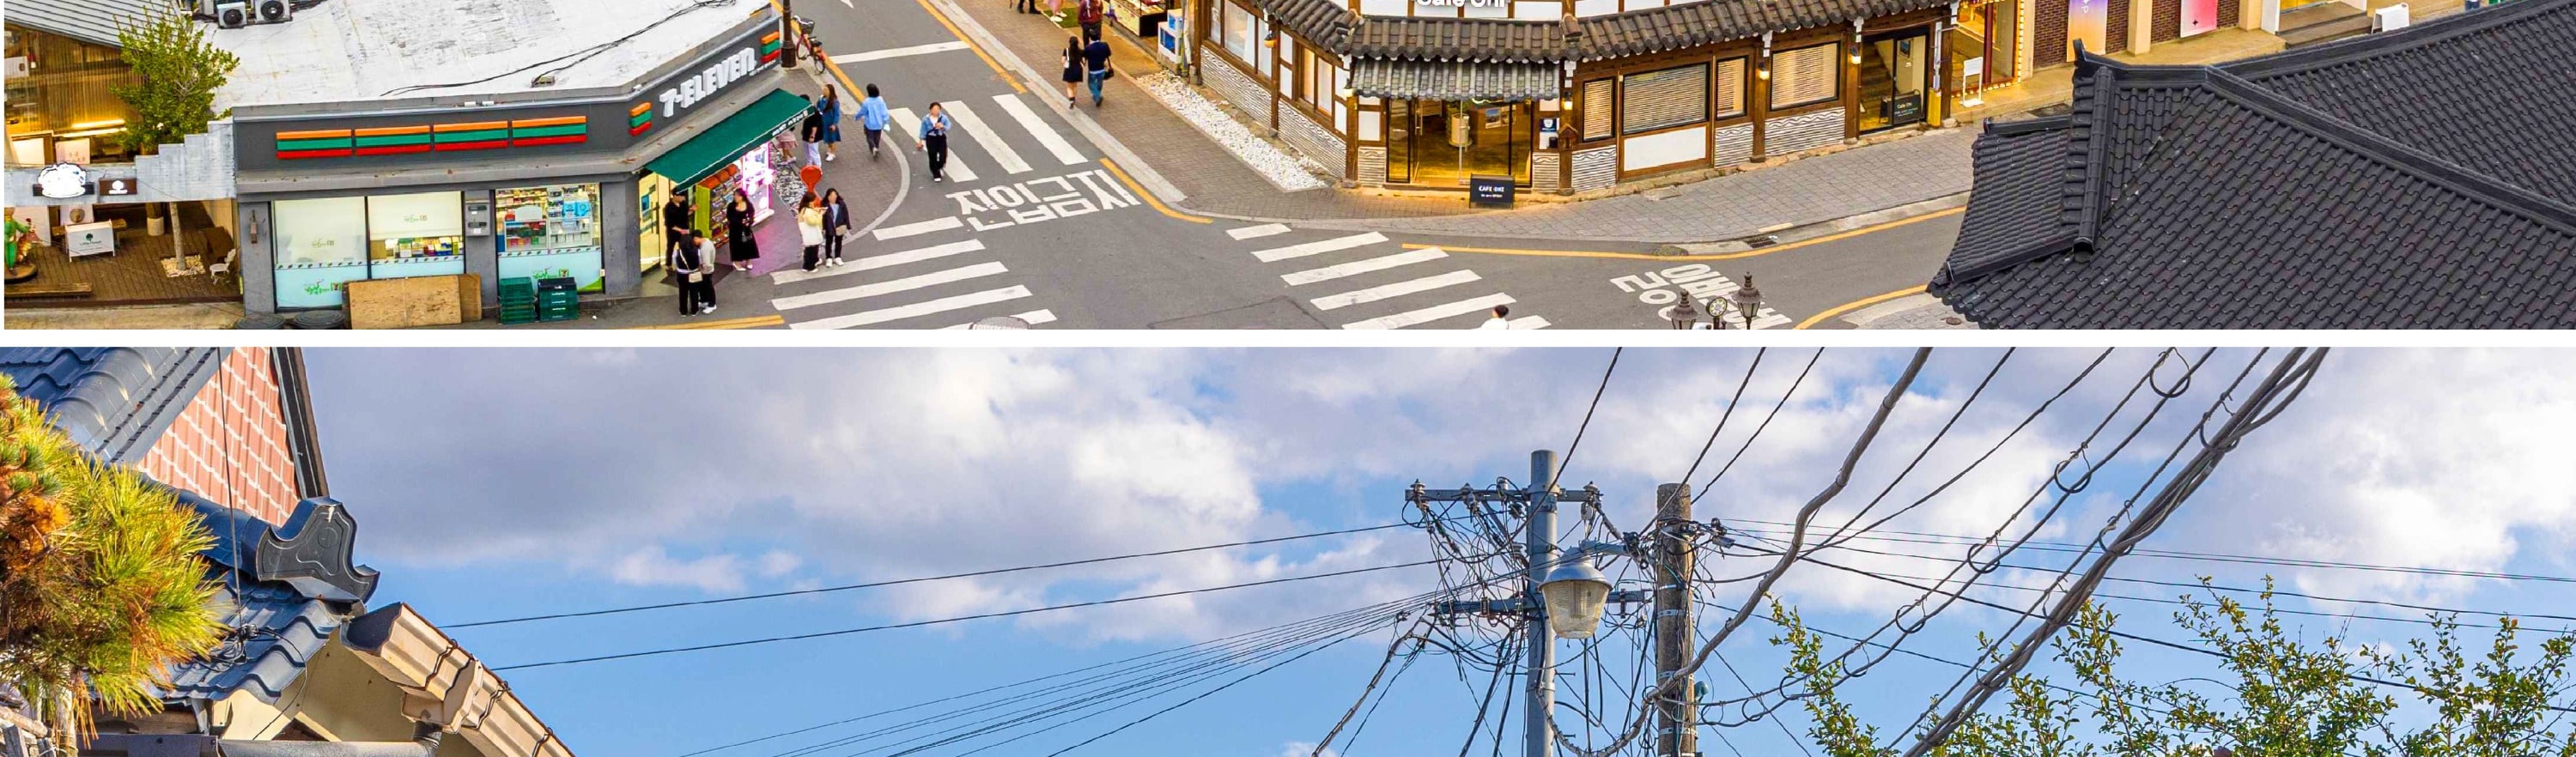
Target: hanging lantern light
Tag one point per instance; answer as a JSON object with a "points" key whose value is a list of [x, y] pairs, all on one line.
{"points": [[1575, 593]]}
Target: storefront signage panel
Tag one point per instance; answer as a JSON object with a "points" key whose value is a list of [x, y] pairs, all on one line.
{"points": [[716, 77]]}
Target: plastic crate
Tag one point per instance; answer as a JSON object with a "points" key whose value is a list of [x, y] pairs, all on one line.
{"points": [[518, 300]]}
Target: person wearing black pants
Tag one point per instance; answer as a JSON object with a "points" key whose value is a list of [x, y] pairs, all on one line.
{"points": [[836, 225], [934, 140], [688, 263]]}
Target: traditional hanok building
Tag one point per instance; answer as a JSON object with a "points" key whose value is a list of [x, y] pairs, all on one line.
{"points": [[309, 666], [2396, 180], [1576, 95]]}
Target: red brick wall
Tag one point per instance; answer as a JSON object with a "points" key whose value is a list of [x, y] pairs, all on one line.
{"points": [[2119, 27], [2168, 26], [2048, 47], [230, 444], [2227, 14]]}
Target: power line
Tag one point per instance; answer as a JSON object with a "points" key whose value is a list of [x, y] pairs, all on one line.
{"points": [[2294, 562], [980, 616], [897, 582]]}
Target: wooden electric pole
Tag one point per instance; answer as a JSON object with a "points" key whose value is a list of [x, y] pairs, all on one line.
{"points": [[1677, 716]]}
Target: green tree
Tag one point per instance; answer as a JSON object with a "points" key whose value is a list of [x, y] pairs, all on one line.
{"points": [[176, 75], [104, 588], [2287, 697]]}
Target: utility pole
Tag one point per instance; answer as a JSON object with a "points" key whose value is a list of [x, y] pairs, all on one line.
{"points": [[1678, 716], [1539, 536]]}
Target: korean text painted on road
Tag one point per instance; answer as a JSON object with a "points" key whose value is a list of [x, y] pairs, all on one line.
{"points": [[1697, 280], [1033, 201]]}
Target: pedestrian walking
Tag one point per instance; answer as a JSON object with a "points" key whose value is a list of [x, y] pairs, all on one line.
{"points": [[873, 117], [1500, 320], [1026, 6], [688, 264], [830, 109], [934, 140], [809, 229], [1096, 57], [738, 239], [812, 133], [1074, 65], [1088, 12], [836, 226]]}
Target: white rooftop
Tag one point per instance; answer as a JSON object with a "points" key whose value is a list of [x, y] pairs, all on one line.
{"points": [[355, 50]]}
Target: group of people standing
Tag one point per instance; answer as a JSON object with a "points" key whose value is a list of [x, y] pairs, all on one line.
{"points": [[823, 221], [1086, 57]]}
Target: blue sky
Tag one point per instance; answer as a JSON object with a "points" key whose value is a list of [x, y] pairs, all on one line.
{"points": [[503, 483]]}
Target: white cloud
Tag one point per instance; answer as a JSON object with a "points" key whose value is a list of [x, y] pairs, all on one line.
{"points": [[1305, 749]]}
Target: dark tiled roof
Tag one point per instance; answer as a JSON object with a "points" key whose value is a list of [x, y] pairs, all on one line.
{"points": [[112, 401], [277, 625], [1454, 81], [1689, 24], [2197, 197]]}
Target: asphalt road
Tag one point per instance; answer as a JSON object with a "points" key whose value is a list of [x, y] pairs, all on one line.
{"points": [[1046, 231]]}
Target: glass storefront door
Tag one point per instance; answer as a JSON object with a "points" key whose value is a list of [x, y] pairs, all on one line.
{"points": [[1442, 144], [1983, 44], [1893, 79]]}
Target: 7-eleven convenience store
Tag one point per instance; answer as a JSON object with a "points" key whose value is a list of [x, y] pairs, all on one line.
{"points": [[532, 173]]}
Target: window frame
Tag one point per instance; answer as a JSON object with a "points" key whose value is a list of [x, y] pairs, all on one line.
{"points": [[1833, 93], [1707, 69], [1583, 110]]}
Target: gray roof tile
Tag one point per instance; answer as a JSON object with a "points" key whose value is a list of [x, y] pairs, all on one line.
{"points": [[112, 401], [87, 20]]}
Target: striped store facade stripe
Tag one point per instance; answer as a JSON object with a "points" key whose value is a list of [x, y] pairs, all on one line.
{"points": [[769, 47], [328, 143], [392, 140], [639, 119], [561, 130], [479, 135]]}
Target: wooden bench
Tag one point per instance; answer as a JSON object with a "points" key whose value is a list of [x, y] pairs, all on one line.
{"points": [[48, 291]]}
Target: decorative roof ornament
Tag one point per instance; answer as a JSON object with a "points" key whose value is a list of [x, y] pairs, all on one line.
{"points": [[313, 553]]}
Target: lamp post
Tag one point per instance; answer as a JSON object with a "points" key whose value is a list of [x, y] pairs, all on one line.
{"points": [[1685, 313], [1746, 300]]}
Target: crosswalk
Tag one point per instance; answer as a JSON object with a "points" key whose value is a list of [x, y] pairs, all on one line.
{"points": [[938, 272], [1376, 283]]}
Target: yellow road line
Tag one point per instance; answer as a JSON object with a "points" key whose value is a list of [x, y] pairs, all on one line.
{"points": [[737, 323], [1149, 196], [1858, 304], [1727, 256], [970, 45]]}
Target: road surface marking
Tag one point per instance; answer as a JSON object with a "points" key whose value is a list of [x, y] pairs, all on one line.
{"points": [[1319, 247], [1150, 199], [1433, 313], [985, 136], [1531, 322], [940, 305], [1857, 304], [898, 52], [737, 323], [1055, 143], [953, 31], [1251, 232], [873, 262], [1397, 289], [924, 227], [1033, 318], [1357, 267], [1726, 256], [956, 169], [978, 270]]}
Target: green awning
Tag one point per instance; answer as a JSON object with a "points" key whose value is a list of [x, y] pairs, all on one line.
{"points": [[730, 138]]}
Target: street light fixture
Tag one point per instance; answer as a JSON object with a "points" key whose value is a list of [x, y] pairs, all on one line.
{"points": [[1685, 313], [1746, 300], [1575, 593]]}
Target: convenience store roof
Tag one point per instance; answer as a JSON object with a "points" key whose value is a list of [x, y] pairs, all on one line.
{"points": [[357, 51]]}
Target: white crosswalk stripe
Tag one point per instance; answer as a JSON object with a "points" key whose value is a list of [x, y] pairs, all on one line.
{"points": [[873, 262], [942, 223], [898, 52], [1397, 289], [1318, 248], [908, 123], [1433, 313], [917, 309], [1033, 318], [1532, 322], [985, 138], [978, 270], [1251, 232], [1357, 267], [1055, 143]]}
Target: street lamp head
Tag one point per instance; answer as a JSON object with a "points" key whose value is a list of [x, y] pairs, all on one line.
{"points": [[1575, 593]]}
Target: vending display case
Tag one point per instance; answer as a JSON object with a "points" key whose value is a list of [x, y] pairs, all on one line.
{"points": [[550, 232]]}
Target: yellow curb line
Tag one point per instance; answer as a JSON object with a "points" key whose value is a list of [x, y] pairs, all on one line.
{"points": [[1149, 196], [1007, 78], [1727, 256], [1858, 304], [737, 323]]}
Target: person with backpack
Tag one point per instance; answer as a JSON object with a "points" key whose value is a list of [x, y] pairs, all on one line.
{"points": [[873, 117], [1096, 58]]}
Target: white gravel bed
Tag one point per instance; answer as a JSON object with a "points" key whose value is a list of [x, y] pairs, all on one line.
{"points": [[1290, 173]]}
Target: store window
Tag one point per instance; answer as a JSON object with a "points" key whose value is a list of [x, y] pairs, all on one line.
{"points": [[1320, 86], [60, 102], [321, 246], [419, 234], [1597, 107], [1730, 88], [1806, 76], [550, 232], [1983, 45], [1663, 99]]}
